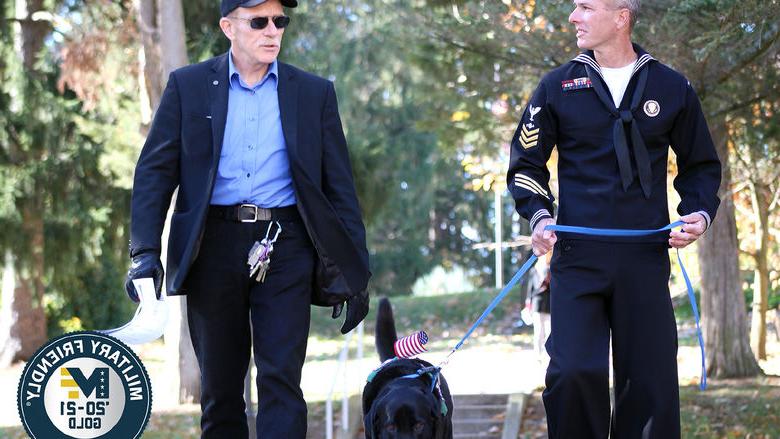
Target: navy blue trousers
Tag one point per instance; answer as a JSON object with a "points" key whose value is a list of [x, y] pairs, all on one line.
{"points": [[598, 290], [221, 299]]}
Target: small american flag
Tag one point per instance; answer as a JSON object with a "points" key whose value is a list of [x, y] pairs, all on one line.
{"points": [[411, 345]]}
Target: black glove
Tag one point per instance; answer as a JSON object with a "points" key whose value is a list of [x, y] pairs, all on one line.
{"points": [[144, 265], [357, 309]]}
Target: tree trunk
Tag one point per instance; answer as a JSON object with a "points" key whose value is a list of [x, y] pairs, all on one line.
{"points": [[724, 316], [173, 51], [761, 280], [152, 80], [173, 45], [23, 320], [776, 320], [22, 317], [33, 34], [189, 372]]}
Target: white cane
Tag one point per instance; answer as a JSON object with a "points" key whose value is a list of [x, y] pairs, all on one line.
{"points": [[148, 323]]}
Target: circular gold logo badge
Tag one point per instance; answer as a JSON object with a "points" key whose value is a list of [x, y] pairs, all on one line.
{"points": [[652, 108], [85, 385]]}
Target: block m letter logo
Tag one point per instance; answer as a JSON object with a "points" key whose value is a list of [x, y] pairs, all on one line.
{"points": [[97, 382]]}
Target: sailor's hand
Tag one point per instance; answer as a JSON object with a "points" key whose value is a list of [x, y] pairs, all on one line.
{"points": [[357, 309], [144, 265], [542, 240], [694, 227]]}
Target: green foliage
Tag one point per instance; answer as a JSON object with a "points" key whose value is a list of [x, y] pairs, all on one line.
{"points": [[725, 47], [772, 302], [52, 161], [410, 182], [483, 54], [204, 37], [448, 316]]}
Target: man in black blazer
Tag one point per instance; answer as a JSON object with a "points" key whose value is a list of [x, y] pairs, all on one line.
{"points": [[254, 146]]}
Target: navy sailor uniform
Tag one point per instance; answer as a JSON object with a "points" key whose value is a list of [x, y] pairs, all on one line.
{"points": [[612, 169], [571, 109]]}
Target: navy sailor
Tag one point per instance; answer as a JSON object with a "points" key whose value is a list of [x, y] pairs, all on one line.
{"points": [[612, 112]]}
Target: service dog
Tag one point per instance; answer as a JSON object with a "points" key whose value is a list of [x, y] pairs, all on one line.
{"points": [[404, 397]]}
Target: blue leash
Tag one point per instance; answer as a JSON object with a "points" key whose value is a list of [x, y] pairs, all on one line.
{"points": [[594, 232]]}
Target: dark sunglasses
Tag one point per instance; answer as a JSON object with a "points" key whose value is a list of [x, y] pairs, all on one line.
{"points": [[280, 21]]}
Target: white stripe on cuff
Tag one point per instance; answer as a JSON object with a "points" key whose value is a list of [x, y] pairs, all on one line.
{"points": [[539, 215], [707, 218]]}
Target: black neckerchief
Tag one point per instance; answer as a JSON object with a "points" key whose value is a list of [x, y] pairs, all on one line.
{"points": [[620, 137]]}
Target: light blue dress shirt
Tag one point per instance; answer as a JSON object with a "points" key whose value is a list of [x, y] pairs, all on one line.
{"points": [[253, 166]]}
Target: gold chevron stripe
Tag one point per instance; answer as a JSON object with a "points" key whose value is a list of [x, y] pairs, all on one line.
{"points": [[530, 132], [529, 138], [527, 145]]}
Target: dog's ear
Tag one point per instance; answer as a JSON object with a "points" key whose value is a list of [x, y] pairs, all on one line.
{"points": [[368, 424], [371, 424], [440, 425]]}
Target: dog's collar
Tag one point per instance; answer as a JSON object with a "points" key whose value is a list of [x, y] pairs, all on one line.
{"points": [[376, 371]]}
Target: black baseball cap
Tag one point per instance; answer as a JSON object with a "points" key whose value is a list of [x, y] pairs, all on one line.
{"points": [[229, 5]]}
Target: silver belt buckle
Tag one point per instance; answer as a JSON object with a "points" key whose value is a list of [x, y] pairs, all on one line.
{"points": [[250, 220]]}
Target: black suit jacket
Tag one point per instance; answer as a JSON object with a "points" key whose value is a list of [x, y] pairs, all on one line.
{"points": [[182, 151]]}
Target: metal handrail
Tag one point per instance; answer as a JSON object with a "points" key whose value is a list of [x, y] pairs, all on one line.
{"points": [[342, 367]]}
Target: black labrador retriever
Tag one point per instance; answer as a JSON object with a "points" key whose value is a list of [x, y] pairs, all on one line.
{"points": [[404, 398]]}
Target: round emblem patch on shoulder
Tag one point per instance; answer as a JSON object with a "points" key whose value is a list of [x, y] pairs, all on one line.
{"points": [[652, 108], [84, 385]]}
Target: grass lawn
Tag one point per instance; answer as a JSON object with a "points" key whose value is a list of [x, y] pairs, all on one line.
{"points": [[732, 409], [745, 408]]}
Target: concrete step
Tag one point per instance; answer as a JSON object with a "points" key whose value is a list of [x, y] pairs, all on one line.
{"points": [[477, 429], [485, 415], [473, 426], [479, 399], [478, 406], [478, 416], [476, 436]]}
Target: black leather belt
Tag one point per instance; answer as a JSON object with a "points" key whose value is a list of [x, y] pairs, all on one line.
{"points": [[249, 213]]}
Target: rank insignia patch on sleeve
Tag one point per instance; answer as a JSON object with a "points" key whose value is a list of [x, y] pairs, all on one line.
{"points": [[529, 137], [576, 84], [533, 110], [528, 183]]}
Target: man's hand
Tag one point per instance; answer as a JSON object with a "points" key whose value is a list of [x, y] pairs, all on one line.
{"points": [[144, 265], [694, 227], [357, 309], [542, 240]]}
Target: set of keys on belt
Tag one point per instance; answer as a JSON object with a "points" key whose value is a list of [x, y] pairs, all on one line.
{"points": [[259, 259]]}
